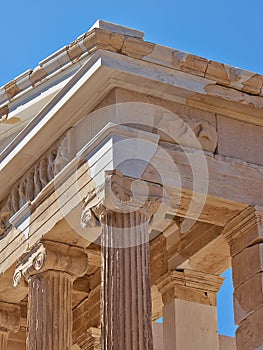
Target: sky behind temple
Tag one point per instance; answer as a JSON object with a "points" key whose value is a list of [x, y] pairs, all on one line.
{"points": [[229, 31]]}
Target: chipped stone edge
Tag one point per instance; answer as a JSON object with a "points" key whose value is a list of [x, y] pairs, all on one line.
{"points": [[129, 42]]}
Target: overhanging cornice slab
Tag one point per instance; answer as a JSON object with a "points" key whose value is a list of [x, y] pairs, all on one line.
{"points": [[102, 72]]}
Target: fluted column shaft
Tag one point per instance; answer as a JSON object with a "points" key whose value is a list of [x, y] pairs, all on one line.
{"points": [[50, 269], [126, 288], [3, 340], [49, 311], [123, 206]]}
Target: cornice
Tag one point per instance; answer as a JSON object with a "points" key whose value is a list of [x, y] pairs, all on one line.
{"points": [[245, 229], [128, 42]]}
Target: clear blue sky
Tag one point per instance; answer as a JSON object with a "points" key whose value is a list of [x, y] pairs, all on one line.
{"points": [[228, 31]]}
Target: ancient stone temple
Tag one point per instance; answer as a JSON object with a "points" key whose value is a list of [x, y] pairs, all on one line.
{"points": [[131, 178]]}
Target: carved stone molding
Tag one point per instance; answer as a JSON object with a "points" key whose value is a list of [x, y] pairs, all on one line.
{"points": [[9, 317], [189, 132], [121, 194], [205, 132], [52, 256], [245, 229], [190, 285], [37, 177]]}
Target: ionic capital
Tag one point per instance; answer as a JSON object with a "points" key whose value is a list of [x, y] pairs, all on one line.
{"points": [[189, 285], [9, 317], [49, 255], [121, 194], [245, 229]]}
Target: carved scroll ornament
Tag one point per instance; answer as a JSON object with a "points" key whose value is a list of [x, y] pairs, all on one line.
{"points": [[189, 132], [31, 184], [50, 255], [121, 194]]}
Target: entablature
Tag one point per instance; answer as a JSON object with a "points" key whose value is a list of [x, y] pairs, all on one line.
{"points": [[61, 198]]}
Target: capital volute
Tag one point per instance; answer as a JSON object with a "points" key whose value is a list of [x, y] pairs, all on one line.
{"points": [[10, 315], [55, 256], [121, 194]]}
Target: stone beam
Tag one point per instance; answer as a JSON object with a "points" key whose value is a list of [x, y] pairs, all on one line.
{"points": [[63, 200]]}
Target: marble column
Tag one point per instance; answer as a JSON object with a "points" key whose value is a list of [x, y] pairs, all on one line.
{"points": [[245, 237], [189, 311], [50, 269], [124, 214], [126, 292], [9, 322]]}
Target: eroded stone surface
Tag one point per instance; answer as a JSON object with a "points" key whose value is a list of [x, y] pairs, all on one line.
{"points": [[250, 332], [222, 105]]}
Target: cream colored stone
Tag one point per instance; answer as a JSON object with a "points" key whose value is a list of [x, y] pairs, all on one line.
{"points": [[247, 263], [237, 76], [232, 98], [50, 290], [49, 255], [157, 303], [244, 230], [245, 145], [116, 28], [9, 317], [12, 89], [50, 269], [90, 340], [158, 336], [87, 314], [194, 65], [9, 322], [190, 326], [124, 238], [22, 81], [190, 285], [161, 55], [248, 297], [227, 343], [3, 95], [217, 71], [55, 61], [103, 59], [37, 75], [213, 258], [136, 48], [194, 292], [254, 84], [107, 40], [249, 335]]}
